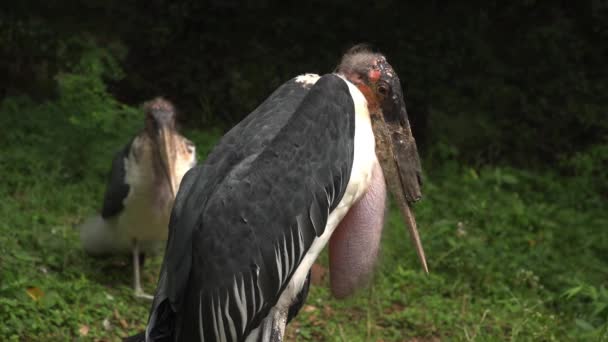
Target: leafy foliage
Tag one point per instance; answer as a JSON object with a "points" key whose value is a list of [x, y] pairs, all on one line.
{"points": [[77, 129], [589, 167], [594, 302], [519, 82]]}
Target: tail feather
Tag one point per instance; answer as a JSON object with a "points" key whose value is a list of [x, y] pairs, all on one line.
{"points": [[298, 302], [98, 236], [162, 321], [141, 337]]}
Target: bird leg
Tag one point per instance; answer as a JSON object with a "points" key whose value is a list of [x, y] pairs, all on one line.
{"points": [[139, 292]]}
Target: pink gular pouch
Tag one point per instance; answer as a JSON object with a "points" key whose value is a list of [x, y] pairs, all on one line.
{"points": [[354, 245]]}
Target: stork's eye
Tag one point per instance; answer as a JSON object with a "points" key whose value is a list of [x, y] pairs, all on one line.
{"points": [[190, 146], [383, 90]]}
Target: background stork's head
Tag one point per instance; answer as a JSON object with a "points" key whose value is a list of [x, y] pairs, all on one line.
{"points": [[160, 127], [395, 144]]}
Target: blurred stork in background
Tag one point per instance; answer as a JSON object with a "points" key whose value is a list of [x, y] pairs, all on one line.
{"points": [[144, 179]]}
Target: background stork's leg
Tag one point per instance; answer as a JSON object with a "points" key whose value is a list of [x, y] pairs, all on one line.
{"points": [[139, 292], [142, 259]]}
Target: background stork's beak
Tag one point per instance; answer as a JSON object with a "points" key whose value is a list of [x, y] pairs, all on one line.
{"points": [[166, 148], [398, 156]]}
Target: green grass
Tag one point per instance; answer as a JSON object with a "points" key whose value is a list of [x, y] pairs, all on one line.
{"points": [[514, 255]]}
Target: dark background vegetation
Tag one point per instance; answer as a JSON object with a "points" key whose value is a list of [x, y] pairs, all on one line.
{"points": [[508, 102], [522, 82]]}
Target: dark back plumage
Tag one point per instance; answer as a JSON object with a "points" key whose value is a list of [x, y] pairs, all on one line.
{"points": [[230, 252], [117, 189]]}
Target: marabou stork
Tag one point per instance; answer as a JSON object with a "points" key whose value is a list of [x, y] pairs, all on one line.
{"points": [[144, 178], [307, 167]]}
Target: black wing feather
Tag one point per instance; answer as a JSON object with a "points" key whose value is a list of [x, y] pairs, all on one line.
{"points": [[116, 189], [247, 138], [237, 214], [299, 302]]}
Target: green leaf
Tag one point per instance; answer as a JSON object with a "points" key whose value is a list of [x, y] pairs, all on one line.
{"points": [[586, 326]]}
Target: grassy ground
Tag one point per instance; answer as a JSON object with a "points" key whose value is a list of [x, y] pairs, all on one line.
{"points": [[514, 256]]}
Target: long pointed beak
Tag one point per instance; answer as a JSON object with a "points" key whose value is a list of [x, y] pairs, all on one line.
{"points": [[398, 156], [166, 148]]}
